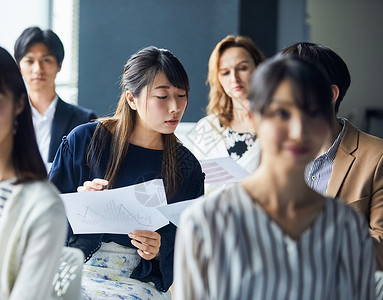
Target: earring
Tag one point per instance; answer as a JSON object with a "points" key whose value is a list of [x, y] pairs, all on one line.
{"points": [[15, 126]]}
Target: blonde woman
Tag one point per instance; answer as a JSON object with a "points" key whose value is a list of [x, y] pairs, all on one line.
{"points": [[226, 130]]}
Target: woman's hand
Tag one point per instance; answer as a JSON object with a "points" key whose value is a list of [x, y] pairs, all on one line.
{"points": [[147, 242], [96, 184]]}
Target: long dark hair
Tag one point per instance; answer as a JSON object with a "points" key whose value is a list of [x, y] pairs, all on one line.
{"points": [[26, 156], [310, 86], [139, 72]]}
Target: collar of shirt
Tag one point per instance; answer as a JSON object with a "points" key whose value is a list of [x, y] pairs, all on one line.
{"points": [[49, 112], [330, 153], [318, 172]]}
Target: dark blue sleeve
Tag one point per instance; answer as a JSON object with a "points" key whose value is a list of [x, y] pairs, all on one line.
{"points": [[69, 170], [192, 186], [62, 172]]}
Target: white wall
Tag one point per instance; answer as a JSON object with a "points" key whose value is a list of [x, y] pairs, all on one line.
{"points": [[16, 15], [353, 29]]}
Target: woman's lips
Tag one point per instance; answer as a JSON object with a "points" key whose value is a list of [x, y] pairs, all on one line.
{"points": [[238, 88], [297, 150], [172, 122]]}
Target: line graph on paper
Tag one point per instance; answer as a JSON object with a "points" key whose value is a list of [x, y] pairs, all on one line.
{"points": [[113, 212], [119, 210]]}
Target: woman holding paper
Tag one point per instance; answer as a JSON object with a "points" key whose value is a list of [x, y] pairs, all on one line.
{"points": [[226, 131], [272, 236], [136, 145], [32, 217]]}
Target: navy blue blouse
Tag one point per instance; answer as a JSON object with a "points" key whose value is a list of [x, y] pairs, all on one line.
{"points": [[70, 170]]}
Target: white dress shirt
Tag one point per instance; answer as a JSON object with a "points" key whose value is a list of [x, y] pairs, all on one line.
{"points": [[42, 124]]}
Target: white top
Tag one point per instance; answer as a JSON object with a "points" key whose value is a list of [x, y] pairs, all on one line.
{"points": [[227, 247], [33, 227], [42, 124], [209, 142]]}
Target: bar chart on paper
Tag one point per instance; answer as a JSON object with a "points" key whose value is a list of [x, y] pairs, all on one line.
{"points": [[222, 170]]}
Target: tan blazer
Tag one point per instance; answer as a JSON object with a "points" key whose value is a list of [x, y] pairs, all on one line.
{"points": [[357, 179]]}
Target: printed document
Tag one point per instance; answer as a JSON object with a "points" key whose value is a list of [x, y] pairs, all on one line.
{"points": [[119, 211]]}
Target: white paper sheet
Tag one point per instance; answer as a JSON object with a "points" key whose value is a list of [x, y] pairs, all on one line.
{"points": [[119, 210], [222, 170], [173, 211]]}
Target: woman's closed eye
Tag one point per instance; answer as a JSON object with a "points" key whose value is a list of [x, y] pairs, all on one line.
{"points": [[243, 68], [181, 96], [224, 72]]}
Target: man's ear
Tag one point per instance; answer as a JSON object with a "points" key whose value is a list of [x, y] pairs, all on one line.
{"points": [[335, 93], [59, 66], [131, 100]]}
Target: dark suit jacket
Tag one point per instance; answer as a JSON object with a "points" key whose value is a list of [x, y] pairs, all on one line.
{"points": [[67, 117], [357, 179]]}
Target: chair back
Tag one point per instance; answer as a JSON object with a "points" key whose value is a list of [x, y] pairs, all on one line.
{"points": [[67, 281]]}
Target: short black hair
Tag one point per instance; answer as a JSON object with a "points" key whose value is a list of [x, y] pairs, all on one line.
{"points": [[329, 61], [310, 86], [34, 35]]}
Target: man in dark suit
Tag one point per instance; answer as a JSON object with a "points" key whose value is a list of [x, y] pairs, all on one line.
{"points": [[39, 55]]}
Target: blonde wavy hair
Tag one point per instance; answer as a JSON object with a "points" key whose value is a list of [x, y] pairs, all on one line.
{"points": [[219, 102]]}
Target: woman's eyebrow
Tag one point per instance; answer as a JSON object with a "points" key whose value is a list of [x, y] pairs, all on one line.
{"points": [[162, 87], [283, 101], [245, 61]]}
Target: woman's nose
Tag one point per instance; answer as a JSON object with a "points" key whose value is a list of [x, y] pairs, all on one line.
{"points": [[174, 106], [297, 128], [234, 76]]}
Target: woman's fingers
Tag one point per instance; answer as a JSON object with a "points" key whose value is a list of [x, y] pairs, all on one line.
{"points": [[145, 255], [147, 242], [100, 181], [96, 184]]}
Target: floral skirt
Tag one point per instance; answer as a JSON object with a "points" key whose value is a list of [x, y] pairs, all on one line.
{"points": [[106, 276]]}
